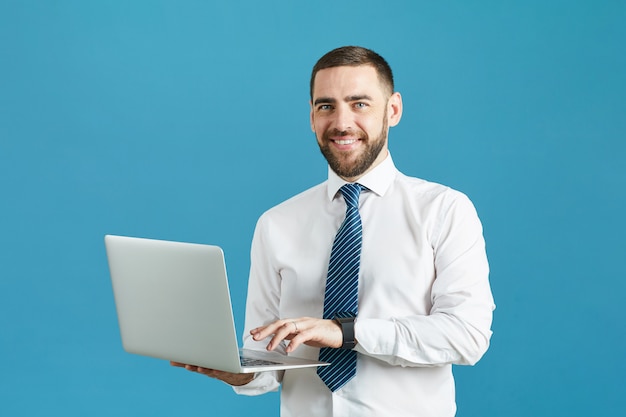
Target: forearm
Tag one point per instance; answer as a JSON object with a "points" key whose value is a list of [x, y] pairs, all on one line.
{"points": [[456, 330], [434, 340]]}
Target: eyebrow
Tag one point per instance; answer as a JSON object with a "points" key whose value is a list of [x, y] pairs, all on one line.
{"points": [[358, 98], [329, 100], [324, 100]]}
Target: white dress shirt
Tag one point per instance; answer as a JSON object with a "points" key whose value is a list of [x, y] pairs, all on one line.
{"points": [[424, 296]]}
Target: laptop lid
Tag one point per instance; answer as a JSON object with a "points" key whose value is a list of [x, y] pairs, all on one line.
{"points": [[173, 302]]}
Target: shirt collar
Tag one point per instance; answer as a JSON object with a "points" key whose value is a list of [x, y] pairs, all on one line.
{"points": [[377, 180]]}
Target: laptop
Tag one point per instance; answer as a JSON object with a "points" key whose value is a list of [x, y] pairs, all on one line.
{"points": [[173, 302]]}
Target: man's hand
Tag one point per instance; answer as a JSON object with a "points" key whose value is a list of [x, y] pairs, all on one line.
{"points": [[304, 330], [229, 378]]}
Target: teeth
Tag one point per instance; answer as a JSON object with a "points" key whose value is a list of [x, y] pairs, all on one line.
{"points": [[345, 141]]}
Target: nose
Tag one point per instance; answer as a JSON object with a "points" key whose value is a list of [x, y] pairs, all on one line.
{"points": [[343, 119]]}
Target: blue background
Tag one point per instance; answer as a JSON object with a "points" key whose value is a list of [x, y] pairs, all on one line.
{"points": [[185, 120]]}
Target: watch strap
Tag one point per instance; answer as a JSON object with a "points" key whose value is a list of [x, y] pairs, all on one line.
{"points": [[347, 329]]}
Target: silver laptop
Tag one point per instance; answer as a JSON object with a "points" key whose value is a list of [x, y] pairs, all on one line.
{"points": [[173, 303]]}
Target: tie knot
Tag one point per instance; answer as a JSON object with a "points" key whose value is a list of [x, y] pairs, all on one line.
{"points": [[351, 194]]}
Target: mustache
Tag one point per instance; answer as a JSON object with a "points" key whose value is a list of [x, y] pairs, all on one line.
{"points": [[334, 132]]}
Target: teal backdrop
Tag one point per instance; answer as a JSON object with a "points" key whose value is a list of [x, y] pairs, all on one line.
{"points": [[185, 120]]}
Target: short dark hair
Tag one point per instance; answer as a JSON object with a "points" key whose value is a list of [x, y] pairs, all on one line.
{"points": [[354, 56]]}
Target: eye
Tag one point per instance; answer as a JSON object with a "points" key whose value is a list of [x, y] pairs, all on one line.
{"points": [[360, 105], [324, 107]]}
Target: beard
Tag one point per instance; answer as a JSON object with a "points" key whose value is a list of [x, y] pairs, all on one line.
{"points": [[342, 164]]}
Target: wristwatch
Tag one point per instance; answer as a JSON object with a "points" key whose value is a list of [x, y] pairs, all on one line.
{"points": [[347, 328]]}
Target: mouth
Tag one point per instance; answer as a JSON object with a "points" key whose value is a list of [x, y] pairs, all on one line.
{"points": [[345, 141]]}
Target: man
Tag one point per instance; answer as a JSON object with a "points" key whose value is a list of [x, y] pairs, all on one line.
{"points": [[424, 301]]}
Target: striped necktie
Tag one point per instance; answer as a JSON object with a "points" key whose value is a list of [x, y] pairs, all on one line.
{"points": [[342, 286]]}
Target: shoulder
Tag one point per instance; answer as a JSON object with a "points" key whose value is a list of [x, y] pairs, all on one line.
{"points": [[425, 190], [291, 219], [309, 200], [435, 204]]}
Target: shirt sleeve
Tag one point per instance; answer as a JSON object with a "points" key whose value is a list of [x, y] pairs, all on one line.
{"points": [[458, 328], [262, 307]]}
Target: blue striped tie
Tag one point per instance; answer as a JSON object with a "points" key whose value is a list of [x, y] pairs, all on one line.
{"points": [[342, 287]]}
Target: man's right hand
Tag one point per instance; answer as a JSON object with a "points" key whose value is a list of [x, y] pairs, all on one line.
{"points": [[229, 378]]}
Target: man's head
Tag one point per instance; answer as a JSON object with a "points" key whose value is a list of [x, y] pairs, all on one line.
{"points": [[352, 107], [354, 56]]}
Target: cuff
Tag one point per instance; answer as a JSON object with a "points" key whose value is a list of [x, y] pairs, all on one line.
{"points": [[375, 336]]}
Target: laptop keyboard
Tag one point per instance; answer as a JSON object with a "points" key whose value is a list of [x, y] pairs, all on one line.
{"points": [[256, 362]]}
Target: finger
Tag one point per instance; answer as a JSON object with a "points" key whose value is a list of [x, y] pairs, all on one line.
{"points": [[284, 332], [262, 332], [306, 334], [279, 335], [206, 371], [214, 373], [295, 342]]}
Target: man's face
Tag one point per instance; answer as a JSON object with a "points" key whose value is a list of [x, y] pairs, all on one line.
{"points": [[351, 113]]}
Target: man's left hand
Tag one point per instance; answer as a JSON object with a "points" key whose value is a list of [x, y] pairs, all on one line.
{"points": [[304, 330]]}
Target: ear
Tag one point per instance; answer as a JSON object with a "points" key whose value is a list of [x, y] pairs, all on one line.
{"points": [[311, 117], [394, 109]]}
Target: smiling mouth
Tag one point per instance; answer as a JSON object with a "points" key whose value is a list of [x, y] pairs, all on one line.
{"points": [[345, 141]]}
